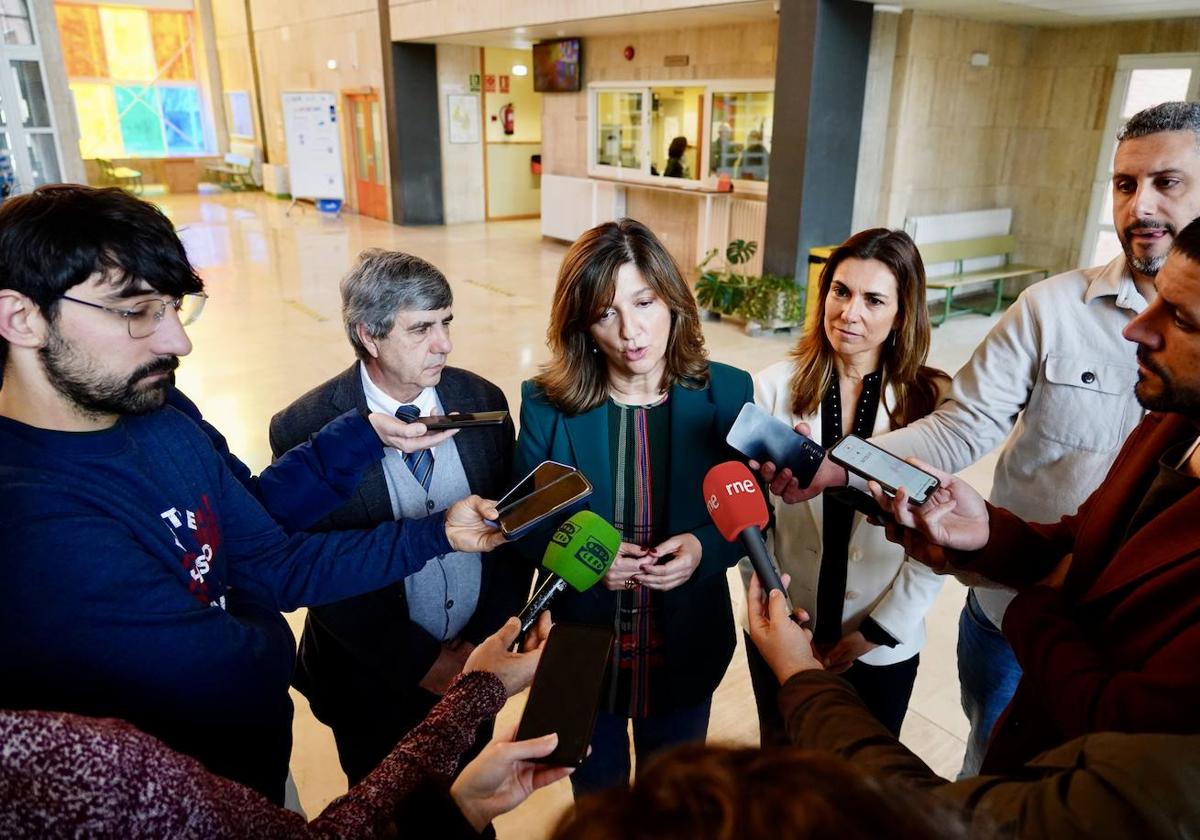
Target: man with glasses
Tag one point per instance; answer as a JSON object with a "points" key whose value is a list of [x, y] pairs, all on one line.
{"points": [[142, 580]]}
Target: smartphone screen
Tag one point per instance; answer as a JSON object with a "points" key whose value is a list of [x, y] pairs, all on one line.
{"points": [[458, 421], [566, 691], [544, 500], [869, 461], [540, 476]]}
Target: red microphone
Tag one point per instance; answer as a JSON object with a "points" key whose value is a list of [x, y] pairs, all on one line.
{"points": [[738, 509]]}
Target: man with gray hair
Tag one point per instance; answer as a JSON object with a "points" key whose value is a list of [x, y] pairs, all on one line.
{"points": [[374, 665], [1056, 374]]}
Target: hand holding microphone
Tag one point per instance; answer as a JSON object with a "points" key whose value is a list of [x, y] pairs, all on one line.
{"points": [[578, 555], [738, 509]]}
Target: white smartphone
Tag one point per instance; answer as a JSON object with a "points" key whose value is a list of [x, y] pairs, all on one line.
{"points": [[876, 464]]}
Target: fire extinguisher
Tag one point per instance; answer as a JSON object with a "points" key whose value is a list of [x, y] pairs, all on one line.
{"points": [[506, 118]]}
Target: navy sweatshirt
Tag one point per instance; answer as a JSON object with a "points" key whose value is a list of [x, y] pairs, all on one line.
{"points": [[309, 481], [143, 581]]}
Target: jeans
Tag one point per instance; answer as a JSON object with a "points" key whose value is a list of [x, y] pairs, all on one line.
{"points": [[608, 765], [988, 674]]}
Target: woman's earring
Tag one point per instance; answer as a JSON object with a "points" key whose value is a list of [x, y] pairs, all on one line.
{"points": [[892, 338]]}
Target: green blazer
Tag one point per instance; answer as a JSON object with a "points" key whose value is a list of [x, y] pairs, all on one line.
{"points": [[698, 618]]}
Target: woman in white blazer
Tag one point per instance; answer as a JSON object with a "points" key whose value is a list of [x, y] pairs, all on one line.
{"points": [[862, 372]]}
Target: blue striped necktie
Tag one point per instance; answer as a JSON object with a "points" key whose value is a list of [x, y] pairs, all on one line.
{"points": [[420, 462]]}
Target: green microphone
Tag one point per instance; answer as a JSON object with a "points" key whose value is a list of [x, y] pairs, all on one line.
{"points": [[578, 555]]}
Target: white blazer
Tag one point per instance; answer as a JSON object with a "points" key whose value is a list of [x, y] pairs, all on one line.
{"points": [[881, 582]]}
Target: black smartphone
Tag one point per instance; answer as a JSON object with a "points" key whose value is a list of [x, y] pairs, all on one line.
{"points": [[550, 487], [566, 690], [876, 464], [437, 422], [763, 437], [857, 499]]}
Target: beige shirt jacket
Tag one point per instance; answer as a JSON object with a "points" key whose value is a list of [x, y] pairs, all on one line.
{"points": [[1056, 373], [880, 581]]}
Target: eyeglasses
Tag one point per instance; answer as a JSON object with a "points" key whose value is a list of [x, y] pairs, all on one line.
{"points": [[143, 319]]}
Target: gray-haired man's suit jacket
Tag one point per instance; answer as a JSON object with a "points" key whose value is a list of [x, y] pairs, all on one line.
{"points": [[361, 660]]}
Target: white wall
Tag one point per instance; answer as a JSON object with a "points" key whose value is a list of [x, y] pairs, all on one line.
{"points": [[462, 163]]}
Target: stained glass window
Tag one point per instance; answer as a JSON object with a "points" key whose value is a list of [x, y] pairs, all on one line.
{"points": [[172, 36], [132, 72], [99, 129], [82, 43], [181, 120], [141, 122]]}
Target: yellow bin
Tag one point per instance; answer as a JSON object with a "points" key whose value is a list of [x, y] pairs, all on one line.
{"points": [[817, 257]]}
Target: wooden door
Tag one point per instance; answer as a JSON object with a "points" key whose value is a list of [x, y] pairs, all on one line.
{"points": [[366, 141]]}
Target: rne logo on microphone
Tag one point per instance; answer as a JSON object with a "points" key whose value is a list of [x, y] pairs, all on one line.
{"points": [[594, 555], [712, 502], [738, 487]]}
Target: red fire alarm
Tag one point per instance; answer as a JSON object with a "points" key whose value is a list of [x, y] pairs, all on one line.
{"points": [[629, 53]]}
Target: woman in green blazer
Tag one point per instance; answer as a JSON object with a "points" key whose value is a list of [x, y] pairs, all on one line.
{"points": [[631, 399]]}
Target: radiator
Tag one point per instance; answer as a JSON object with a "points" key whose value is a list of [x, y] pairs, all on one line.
{"points": [[748, 220]]}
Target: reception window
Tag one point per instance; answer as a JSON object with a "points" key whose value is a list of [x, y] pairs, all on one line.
{"points": [[619, 129], [741, 135], [691, 133], [132, 74]]}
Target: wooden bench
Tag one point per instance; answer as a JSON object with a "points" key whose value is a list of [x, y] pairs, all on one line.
{"points": [[958, 252], [119, 176], [234, 173]]}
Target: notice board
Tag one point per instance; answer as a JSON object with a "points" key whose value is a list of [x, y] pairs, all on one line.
{"points": [[314, 144]]}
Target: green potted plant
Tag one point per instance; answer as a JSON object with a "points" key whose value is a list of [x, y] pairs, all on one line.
{"points": [[723, 291], [772, 302]]}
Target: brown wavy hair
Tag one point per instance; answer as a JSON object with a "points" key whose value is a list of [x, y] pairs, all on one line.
{"points": [[902, 356], [699, 792], [575, 380]]}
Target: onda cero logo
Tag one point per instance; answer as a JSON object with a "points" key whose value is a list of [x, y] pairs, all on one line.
{"points": [[594, 555]]}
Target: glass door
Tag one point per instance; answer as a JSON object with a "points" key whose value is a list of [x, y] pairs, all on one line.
{"points": [[1141, 81]]}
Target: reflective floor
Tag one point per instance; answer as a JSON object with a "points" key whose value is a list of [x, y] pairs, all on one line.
{"points": [[272, 330]]}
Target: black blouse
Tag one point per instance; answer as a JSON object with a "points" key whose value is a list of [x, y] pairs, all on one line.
{"points": [[838, 519]]}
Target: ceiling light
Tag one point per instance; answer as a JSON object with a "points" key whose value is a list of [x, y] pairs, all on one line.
{"points": [[331, 64], [520, 70]]}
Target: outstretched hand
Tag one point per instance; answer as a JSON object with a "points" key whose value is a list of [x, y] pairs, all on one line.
{"points": [[468, 528], [784, 484], [514, 669], [503, 776], [407, 437], [785, 645], [954, 516]]}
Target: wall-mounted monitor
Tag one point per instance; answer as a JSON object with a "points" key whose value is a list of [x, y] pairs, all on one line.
{"points": [[557, 67]]}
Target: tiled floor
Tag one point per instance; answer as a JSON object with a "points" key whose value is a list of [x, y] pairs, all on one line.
{"points": [[272, 331]]}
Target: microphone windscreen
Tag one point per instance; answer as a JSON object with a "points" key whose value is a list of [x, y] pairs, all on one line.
{"points": [[734, 499], [582, 549]]}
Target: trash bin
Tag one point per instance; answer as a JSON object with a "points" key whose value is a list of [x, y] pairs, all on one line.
{"points": [[817, 257]]}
